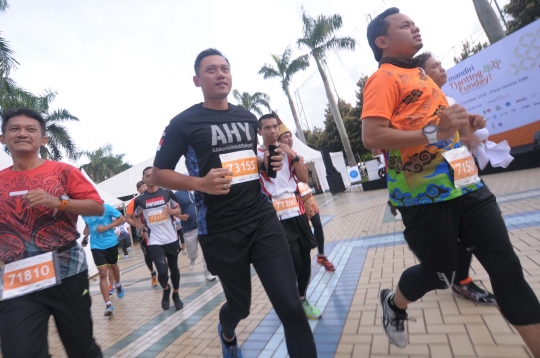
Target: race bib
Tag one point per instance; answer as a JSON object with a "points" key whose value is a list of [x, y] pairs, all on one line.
{"points": [[29, 275], [465, 169], [157, 216], [286, 204], [243, 164], [304, 189]]}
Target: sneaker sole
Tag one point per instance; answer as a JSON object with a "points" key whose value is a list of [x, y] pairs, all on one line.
{"points": [[109, 313]]}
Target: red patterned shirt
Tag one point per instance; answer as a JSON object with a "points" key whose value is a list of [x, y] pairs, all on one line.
{"points": [[26, 232]]}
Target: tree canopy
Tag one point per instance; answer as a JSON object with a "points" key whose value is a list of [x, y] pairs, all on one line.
{"points": [[520, 13], [104, 164], [252, 102]]}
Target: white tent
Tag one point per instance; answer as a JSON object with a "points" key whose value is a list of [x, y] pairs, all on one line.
{"points": [[314, 157], [124, 184], [108, 199], [5, 160]]}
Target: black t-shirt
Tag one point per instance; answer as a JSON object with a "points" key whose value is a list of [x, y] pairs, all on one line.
{"points": [[202, 134], [151, 208]]}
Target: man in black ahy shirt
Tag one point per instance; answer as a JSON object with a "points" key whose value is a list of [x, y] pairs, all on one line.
{"points": [[237, 223]]}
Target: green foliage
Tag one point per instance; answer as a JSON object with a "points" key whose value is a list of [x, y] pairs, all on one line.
{"points": [[468, 51], [285, 68], [252, 102], [521, 13], [104, 164], [329, 137], [319, 35], [60, 143]]}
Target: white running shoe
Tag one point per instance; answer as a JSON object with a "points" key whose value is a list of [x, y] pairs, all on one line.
{"points": [[393, 323], [209, 276], [191, 264]]}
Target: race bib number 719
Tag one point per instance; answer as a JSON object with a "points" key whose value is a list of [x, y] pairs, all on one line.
{"points": [[243, 164]]}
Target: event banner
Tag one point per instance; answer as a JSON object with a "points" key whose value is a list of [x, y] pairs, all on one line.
{"points": [[502, 83]]}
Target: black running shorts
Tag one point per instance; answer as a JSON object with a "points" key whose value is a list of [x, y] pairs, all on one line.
{"points": [[105, 257], [432, 230], [229, 253], [170, 249]]}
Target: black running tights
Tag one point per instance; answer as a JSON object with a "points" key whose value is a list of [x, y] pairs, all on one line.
{"points": [[318, 232], [302, 268], [278, 279], [163, 265]]}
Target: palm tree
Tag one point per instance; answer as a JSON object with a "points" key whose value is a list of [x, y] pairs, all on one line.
{"points": [[285, 70], [318, 39], [7, 62], [104, 164], [252, 102], [60, 143]]}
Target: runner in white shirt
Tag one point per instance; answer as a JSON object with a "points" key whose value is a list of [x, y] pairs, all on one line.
{"points": [[283, 191]]}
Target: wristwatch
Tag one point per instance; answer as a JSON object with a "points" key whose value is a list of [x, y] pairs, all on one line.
{"points": [[296, 159], [430, 131], [65, 200]]}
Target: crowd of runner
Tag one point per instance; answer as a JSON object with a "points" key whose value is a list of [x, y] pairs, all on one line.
{"points": [[248, 204]]}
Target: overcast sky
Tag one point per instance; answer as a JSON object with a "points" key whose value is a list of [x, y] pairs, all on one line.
{"points": [[125, 67]]}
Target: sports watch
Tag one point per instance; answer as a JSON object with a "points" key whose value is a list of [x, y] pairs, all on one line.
{"points": [[430, 131], [296, 159], [65, 200]]}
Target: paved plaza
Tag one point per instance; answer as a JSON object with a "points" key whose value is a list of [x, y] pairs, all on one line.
{"points": [[366, 244]]}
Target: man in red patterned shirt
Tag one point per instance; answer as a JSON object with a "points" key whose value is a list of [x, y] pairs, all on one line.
{"points": [[40, 201]]}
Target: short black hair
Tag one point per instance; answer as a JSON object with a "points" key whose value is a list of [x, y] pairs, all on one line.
{"points": [[144, 170], [266, 116], [206, 53], [379, 27], [423, 57], [22, 111], [140, 183]]}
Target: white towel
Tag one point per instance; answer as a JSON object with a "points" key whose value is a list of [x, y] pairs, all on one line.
{"points": [[490, 152]]}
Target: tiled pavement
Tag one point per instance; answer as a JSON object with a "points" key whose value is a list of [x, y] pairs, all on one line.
{"points": [[366, 244]]}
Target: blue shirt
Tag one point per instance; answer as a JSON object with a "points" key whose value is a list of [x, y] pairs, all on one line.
{"points": [[185, 198], [106, 239]]}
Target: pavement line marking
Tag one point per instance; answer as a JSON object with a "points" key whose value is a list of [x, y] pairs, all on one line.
{"points": [[161, 329], [320, 290]]}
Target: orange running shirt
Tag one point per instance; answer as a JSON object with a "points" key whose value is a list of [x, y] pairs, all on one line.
{"points": [[410, 100]]}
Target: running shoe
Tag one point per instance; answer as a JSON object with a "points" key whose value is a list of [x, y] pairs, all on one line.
{"points": [[111, 290], [323, 261], [129, 249], [312, 312], [166, 300], [120, 291], [228, 352], [154, 279], [126, 257], [474, 293], [184, 252], [109, 310], [393, 323], [178, 304], [191, 264], [209, 277]]}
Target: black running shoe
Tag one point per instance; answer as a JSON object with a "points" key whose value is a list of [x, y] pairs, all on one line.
{"points": [[166, 300], [472, 292], [178, 304]]}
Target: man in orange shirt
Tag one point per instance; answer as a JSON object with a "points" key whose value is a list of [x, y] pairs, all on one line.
{"points": [[434, 183]]}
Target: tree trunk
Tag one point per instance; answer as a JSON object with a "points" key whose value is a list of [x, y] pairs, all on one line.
{"points": [[337, 117], [299, 130], [489, 20]]}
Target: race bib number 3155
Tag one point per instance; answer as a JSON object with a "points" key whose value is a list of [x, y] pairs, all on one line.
{"points": [[28, 275], [243, 164]]}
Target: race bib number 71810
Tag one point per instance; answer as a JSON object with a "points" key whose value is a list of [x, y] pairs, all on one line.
{"points": [[29, 275], [243, 164]]}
